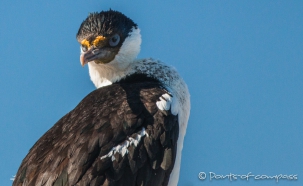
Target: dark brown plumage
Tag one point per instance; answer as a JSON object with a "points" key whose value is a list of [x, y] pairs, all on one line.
{"points": [[70, 152]]}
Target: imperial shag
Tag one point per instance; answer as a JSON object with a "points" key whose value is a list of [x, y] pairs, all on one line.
{"points": [[129, 131]]}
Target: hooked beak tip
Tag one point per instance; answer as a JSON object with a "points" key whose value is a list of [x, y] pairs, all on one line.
{"points": [[82, 60]]}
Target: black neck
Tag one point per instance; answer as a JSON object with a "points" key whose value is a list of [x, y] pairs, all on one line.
{"points": [[138, 78]]}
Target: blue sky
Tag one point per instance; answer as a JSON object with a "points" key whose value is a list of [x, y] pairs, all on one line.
{"points": [[242, 61]]}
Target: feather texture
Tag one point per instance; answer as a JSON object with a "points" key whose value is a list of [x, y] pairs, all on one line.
{"points": [[76, 150]]}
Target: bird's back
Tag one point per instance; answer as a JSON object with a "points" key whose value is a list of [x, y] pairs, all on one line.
{"points": [[115, 136]]}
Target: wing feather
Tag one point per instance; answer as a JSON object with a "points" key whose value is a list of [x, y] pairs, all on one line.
{"points": [[108, 118]]}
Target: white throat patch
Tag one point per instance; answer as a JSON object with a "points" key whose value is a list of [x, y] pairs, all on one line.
{"points": [[105, 74]]}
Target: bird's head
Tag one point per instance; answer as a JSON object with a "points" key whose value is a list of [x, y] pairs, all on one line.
{"points": [[109, 37]]}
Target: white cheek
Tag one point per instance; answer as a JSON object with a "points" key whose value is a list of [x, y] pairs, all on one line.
{"points": [[129, 49]]}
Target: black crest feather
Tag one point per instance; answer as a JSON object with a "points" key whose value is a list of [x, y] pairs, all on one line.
{"points": [[105, 23]]}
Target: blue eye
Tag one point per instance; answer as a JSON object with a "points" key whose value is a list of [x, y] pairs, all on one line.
{"points": [[114, 40]]}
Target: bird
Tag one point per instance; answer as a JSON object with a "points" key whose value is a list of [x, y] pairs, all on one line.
{"points": [[129, 131]]}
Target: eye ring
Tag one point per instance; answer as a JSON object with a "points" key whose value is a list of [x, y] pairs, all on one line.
{"points": [[83, 48], [114, 40]]}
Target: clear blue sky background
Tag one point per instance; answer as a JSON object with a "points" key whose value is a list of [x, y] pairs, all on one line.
{"points": [[242, 61]]}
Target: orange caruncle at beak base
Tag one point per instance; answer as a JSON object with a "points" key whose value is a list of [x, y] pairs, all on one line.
{"points": [[97, 41], [85, 43], [94, 50], [94, 43]]}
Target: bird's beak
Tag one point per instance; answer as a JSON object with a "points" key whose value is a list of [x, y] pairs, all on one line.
{"points": [[91, 55]]}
